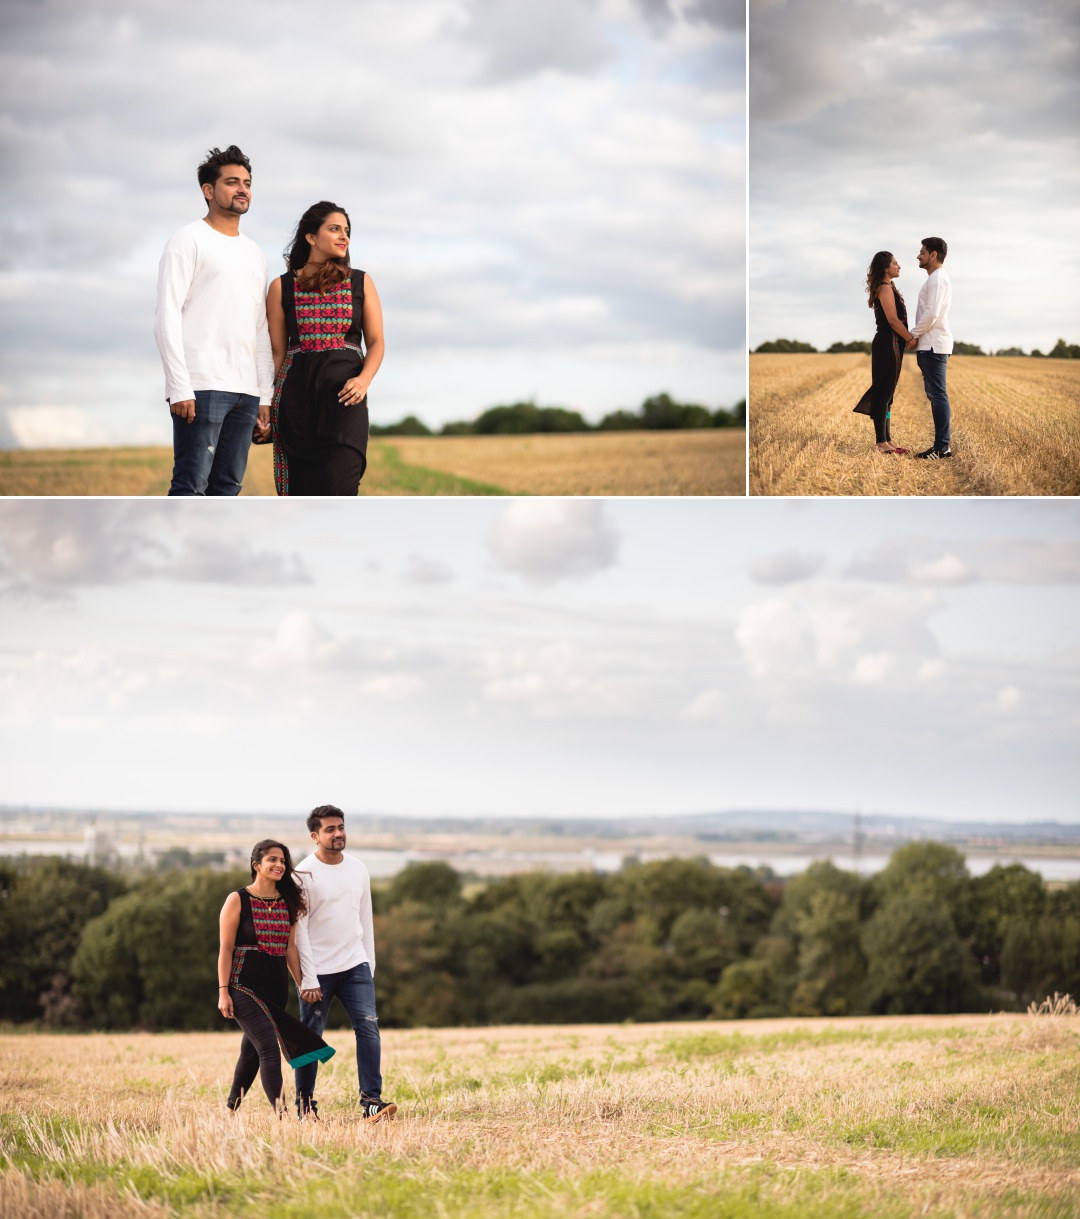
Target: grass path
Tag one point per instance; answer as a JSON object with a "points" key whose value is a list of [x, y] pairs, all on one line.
{"points": [[710, 462], [1016, 428], [891, 1118]]}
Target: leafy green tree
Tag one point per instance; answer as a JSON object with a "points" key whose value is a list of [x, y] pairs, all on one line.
{"points": [[785, 346], [1002, 898], [46, 905], [967, 349], [434, 884], [409, 426], [821, 913], [414, 976], [621, 421], [1010, 351], [758, 987], [151, 958], [859, 345], [916, 961], [661, 412], [933, 870], [1064, 351]]}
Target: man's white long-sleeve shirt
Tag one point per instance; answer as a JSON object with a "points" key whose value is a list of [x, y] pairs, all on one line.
{"points": [[210, 322], [932, 314], [336, 933]]}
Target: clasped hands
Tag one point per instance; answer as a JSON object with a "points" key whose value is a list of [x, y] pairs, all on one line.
{"points": [[311, 996], [912, 343]]}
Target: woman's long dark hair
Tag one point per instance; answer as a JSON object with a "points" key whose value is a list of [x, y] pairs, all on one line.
{"points": [[286, 886], [332, 272], [875, 274]]}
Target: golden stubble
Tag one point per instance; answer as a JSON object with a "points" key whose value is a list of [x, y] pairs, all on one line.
{"points": [[1015, 428], [681, 462], [682, 1101]]}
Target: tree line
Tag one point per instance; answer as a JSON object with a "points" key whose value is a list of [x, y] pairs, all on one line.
{"points": [[1060, 351], [658, 413], [83, 947]]}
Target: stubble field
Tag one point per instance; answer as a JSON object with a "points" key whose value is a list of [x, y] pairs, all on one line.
{"points": [[1015, 428], [707, 462], [973, 1116]]}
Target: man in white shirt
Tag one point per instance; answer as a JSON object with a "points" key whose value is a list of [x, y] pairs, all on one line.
{"points": [[210, 328], [933, 341], [337, 957]]}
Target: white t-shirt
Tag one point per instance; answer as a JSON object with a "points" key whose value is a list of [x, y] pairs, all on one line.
{"points": [[210, 322], [336, 932], [932, 314]]}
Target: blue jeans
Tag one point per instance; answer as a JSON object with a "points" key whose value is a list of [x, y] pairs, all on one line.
{"points": [[210, 453], [932, 366], [356, 991]]}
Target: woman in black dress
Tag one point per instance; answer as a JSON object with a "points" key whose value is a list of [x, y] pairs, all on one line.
{"points": [[326, 330], [256, 955], [887, 350]]}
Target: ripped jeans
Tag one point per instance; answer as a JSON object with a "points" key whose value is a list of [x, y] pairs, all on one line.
{"points": [[356, 991]]}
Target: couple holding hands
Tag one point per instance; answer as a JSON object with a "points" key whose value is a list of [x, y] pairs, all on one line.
{"points": [[290, 366], [930, 339]]}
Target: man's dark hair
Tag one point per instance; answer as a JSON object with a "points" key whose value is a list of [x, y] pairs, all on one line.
{"points": [[934, 245], [315, 817], [216, 160]]}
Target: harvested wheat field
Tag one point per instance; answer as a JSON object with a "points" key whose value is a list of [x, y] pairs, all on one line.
{"points": [[707, 462], [973, 1116], [1015, 428], [710, 462]]}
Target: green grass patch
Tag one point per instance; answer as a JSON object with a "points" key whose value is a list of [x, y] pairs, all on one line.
{"points": [[403, 479]]}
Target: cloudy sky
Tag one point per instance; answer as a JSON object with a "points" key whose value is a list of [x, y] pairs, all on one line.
{"points": [[549, 197], [543, 656], [875, 123]]}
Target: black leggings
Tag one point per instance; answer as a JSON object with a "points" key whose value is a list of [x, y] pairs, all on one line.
{"points": [[260, 1053], [887, 355]]}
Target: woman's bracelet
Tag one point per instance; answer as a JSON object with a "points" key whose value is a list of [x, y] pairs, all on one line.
{"points": [[225, 987]]}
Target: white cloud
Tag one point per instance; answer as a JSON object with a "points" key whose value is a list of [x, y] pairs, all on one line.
{"points": [[396, 687], [786, 567], [947, 569], [545, 540], [873, 668], [1008, 698], [298, 643], [775, 637], [703, 705], [423, 570]]}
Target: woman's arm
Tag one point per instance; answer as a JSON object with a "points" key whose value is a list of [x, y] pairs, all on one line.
{"points": [[888, 303], [292, 958], [372, 325], [229, 924], [275, 323]]}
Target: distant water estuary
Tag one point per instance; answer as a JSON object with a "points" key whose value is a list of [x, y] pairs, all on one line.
{"points": [[502, 861]]}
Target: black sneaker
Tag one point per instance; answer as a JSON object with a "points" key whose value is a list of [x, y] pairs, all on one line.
{"points": [[307, 1110], [376, 1110], [933, 453]]}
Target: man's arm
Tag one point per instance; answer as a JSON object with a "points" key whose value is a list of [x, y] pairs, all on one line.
{"points": [[175, 273], [264, 359], [309, 976], [367, 930], [935, 309]]}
